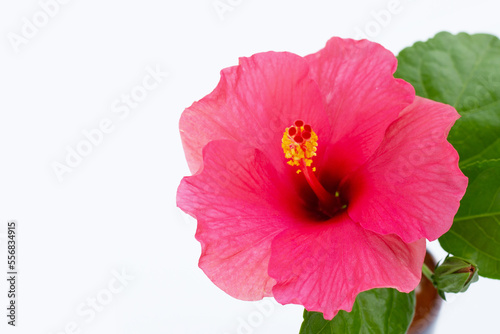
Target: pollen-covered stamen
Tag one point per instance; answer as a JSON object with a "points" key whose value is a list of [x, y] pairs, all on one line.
{"points": [[299, 144]]}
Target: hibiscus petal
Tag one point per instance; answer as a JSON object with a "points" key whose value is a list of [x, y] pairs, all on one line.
{"points": [[324, 266], [362, 99], [254, 103], [412, 184], [240, 206]]}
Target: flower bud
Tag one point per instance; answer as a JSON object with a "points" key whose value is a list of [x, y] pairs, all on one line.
{"points": [[454, 275]]}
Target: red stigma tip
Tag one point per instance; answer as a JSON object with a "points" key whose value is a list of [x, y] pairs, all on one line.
{"points": [[306, 135], [307, 128], [292, 131], [298, 139], [299, 123]]}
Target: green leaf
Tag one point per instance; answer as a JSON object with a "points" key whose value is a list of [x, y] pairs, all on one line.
{"points": [[464, 71], [475, 234], [375, 311]]}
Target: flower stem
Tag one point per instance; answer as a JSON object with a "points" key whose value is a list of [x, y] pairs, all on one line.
{"points": [[427, 272]]}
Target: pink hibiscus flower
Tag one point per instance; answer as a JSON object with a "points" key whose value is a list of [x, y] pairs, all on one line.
{"points": [[318, 177]]}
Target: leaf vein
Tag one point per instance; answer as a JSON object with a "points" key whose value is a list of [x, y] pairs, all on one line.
{"points": [[474, 247]]}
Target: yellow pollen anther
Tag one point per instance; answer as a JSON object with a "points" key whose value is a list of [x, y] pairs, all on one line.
{"points": [[299, 144]]}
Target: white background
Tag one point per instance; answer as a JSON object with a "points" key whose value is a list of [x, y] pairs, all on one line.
{"points": [[116, 210]]}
